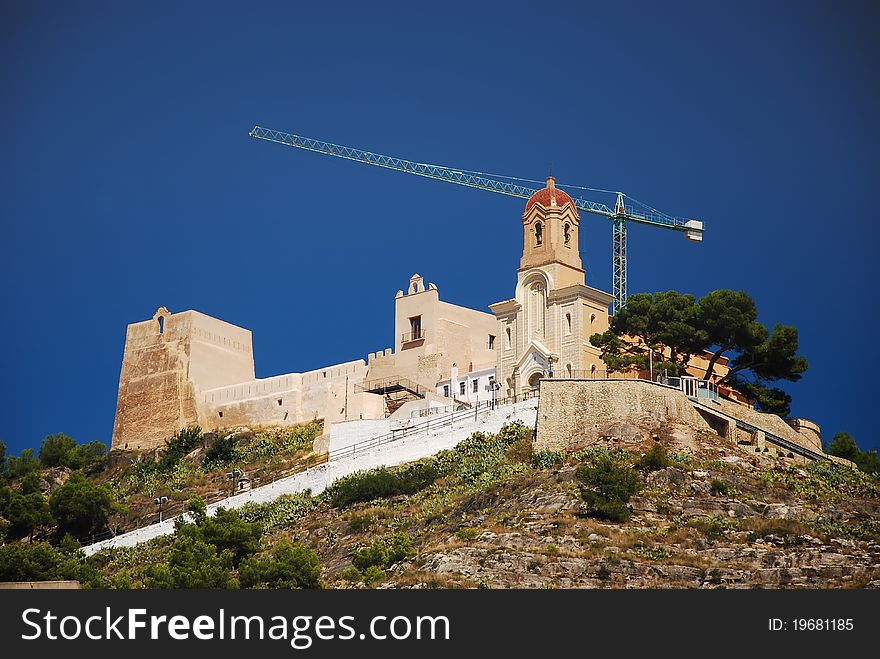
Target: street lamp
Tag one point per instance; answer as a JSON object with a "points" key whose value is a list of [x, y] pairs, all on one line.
{"points": [[550, 359], [234, 476], [160, 501], [494, 386]]}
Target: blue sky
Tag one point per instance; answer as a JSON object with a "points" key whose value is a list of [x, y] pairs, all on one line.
{"points": [[129, 180]]}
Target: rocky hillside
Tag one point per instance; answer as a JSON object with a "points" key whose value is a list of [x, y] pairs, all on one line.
{"points": [[493, 513]]}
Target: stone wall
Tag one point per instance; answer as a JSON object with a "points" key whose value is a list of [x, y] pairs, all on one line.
{"points": [[576, 413], [573, 414]]}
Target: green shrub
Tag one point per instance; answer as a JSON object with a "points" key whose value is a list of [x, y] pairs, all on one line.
{"points": [[291, 566], [54, 450], [547, 459], [467, 533], [713, 526], [381, 483], [283, 511], [278, 441], [220, 452], [352, 574], [824, 480], [358, 523], [24, 513], [654, 459], [62, 451], [719, 488], [484, 458], [384, 552], [179, 445], [606, 486], [192, 563], [373, 574]]}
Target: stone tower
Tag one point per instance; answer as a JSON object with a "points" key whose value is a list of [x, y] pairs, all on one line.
{"points": [[168, 360], [546, 327]]}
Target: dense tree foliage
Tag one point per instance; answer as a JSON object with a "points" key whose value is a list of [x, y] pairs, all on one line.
{"points": [[24, 513], [227, 531], [192, 562], [675, 327], [291, 566], [2, 459], [207, 549], [16, 467], [40, 561], [81, 507], [55, 449], [658, 321], [844, 445]]}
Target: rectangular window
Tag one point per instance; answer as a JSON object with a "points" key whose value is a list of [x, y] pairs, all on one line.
{"points": [[415, 328], [461, 388], [446, 390], [491, 342], [476, 386]]}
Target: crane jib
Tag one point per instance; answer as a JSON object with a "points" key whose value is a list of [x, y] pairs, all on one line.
{"points": [[693, 229]]}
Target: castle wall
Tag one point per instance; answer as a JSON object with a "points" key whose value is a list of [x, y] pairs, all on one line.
{"points": [[188, 368], [292, 398], [809, 431], [573, 414], [772, 424]]}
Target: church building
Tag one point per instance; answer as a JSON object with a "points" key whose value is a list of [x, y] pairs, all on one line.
{"points": [[545, 328]]}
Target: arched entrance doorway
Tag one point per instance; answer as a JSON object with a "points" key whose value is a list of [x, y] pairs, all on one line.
{"points": [[535, 379]]}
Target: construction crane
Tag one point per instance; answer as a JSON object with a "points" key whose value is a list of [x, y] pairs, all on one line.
{"points": [[620, 214]]}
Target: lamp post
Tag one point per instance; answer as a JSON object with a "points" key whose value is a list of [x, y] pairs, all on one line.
{"points": [[160, 501], [233, 476], [494, 386]]}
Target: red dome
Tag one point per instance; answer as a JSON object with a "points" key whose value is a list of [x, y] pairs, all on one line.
{"points": [[549, 196]]}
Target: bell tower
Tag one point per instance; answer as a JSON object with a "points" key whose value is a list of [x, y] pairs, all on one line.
{"points": [[550, 233], [545, 328]]}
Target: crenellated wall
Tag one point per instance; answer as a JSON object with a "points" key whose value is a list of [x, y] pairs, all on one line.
{"points": [[188, 368]]}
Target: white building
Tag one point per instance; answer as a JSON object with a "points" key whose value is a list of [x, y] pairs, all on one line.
{"points": [[471, 387]]}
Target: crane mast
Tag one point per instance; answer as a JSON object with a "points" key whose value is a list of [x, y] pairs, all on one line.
{"points": [[619, 215]]}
